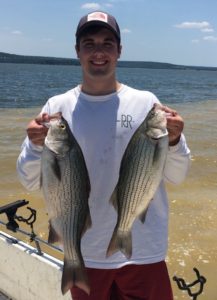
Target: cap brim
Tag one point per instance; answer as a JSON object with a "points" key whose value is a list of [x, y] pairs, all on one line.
{"points": [[94, 23]]}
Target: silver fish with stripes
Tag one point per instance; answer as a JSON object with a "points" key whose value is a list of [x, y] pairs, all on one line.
{"points": [[140, 174], [66, 187]]}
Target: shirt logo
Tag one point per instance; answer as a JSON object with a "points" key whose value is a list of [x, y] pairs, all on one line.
{"points": [[126, 121]]}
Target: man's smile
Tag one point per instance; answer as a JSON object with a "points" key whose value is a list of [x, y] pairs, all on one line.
{"points": [[99, 62]]}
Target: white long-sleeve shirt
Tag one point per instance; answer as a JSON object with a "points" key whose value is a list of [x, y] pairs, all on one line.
{"points": [[103, 126]]}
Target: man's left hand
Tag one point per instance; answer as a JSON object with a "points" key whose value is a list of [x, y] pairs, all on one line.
{"points": [[175, 125]]}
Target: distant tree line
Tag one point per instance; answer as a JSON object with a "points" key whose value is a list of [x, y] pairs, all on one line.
{"points": [[27, 59]]}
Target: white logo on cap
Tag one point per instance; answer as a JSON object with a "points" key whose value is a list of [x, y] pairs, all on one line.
{"points": [[98, 16]]}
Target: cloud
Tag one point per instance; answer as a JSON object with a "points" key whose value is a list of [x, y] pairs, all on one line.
{"points": [[16, 32], [125, 30], [91, 5], [210, 38], [202, 26], [207, 30], [96, 6], [193, 25]]}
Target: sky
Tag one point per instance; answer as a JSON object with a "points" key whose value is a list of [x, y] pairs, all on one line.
{"points": [[172, 31]]}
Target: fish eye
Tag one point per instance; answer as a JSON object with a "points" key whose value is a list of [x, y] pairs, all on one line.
{"points": [[62, 126]]}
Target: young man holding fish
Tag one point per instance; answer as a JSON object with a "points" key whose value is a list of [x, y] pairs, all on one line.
{"points": [[104, 116]]}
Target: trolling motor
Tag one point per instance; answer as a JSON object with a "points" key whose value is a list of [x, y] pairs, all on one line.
{"points": [[200, 281]]}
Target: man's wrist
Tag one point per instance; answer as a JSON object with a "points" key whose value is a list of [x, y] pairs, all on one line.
{"points": [[175, 142]]}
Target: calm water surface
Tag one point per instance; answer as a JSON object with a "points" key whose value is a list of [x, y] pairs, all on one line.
{"points": [[193, 204]]}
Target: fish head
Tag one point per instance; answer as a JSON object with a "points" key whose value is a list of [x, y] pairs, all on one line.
{"points": [[156, 122], [58, 136]]}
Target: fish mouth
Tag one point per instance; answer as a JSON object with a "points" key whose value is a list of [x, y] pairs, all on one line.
{"points": [[160, 135], [46, 124], [56, 116]]}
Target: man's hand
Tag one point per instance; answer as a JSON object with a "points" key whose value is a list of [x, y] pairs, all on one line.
{"points": [[36, 131], [175, 125]]}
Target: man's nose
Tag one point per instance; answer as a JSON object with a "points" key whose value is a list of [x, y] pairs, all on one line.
{"points": [[98, 48]]}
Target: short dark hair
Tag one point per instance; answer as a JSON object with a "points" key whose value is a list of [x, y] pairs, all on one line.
{"points": [[92, 30]]}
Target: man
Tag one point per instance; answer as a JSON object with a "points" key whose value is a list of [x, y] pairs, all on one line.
{"points": [[103, 114]]}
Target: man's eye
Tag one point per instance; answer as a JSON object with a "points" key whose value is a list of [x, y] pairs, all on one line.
{"points": [[88, 45], [108, 45]]}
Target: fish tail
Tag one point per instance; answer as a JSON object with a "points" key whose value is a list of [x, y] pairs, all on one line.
{"points": [[120, 241], [74, 275]]}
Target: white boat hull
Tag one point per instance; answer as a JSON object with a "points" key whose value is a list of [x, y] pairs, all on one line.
{"points": [[25, 275]]}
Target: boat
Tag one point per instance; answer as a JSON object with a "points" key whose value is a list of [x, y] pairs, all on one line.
{"points": [[27, 272]]}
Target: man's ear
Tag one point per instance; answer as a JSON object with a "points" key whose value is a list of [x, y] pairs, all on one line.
{"points": [[119, 50], [77, 50]]}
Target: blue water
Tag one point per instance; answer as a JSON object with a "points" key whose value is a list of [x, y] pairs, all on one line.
{"points": [[23, 85], [193, 209]]}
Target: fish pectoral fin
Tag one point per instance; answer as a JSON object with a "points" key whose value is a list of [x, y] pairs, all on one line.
{"points": [[120, 241], [113, 199], [74, 275], [52, 164], [53, 237], [56, 169]]}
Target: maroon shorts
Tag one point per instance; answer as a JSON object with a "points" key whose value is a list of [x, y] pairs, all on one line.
{"points": [[132, 282]]}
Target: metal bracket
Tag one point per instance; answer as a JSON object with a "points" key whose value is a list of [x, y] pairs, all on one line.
{"points": [[10, 210], [200, 281]]}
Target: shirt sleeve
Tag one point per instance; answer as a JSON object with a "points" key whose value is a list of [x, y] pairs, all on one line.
{"points": [[178, 162], [29, 162], [29, 165]]}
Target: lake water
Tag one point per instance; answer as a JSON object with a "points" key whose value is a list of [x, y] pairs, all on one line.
{"points": [[193, 204]]}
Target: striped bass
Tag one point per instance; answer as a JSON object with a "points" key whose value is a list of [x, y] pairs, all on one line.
{"points": [[66, 187], [139, 177]]}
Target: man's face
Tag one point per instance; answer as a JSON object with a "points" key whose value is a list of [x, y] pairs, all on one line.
{"points": [[98, 54]]}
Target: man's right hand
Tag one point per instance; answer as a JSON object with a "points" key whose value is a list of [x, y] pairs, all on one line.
{"points": [[36, 131]]}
